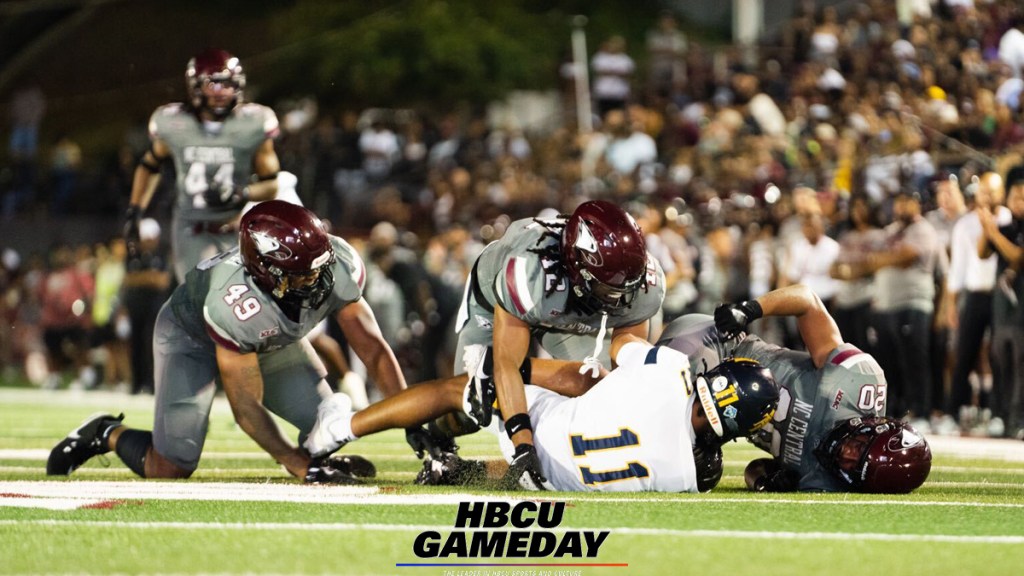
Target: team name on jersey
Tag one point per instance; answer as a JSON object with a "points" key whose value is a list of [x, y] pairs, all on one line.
{"points": [[209, 154], [800, 416]]}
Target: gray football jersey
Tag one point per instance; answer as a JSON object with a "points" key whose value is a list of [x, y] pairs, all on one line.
{"points": [[221, 302], [811, 400], [206, 158], [511, 273]]}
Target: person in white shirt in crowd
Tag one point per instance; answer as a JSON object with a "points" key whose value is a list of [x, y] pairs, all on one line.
{"points": [[629, 147], [969, 298], [1011, 48], [811, 256], [613, 69]]}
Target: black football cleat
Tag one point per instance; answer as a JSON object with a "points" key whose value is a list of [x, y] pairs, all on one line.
{"points": [[82, 443]]}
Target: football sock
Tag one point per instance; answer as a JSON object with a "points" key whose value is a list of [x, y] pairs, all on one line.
{"points": [[131, 448]]}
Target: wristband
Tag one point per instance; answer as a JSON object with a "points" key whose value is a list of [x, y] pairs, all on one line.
{"points": [[518, 423]]}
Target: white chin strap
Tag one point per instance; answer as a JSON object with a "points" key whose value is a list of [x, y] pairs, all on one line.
{"points": [[592, 363], [704, 393]]}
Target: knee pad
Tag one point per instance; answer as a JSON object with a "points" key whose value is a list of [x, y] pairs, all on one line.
{"points": [[131, 448]]}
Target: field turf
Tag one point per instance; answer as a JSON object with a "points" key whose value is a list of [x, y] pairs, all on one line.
{"points": [[241, 513]]}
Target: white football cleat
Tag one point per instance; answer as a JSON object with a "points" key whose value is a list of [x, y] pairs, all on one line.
{"points": [[333, 427]]}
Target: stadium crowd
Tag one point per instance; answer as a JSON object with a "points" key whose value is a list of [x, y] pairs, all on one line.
{"points": [[840, 156]]}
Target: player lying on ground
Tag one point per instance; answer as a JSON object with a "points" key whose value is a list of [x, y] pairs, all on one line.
{"points": [[241, 319], [829, 432], [641, 428]]}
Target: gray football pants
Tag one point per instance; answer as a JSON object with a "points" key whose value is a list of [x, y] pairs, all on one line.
{"points": [[185, 377]]}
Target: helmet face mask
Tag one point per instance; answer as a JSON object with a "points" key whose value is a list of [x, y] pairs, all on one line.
{"points": [[876, 454], [605, 256], [738, 397], [215, 81], [288, 253]]}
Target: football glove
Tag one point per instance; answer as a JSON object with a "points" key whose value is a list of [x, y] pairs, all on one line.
{"points": [[222, 194], [524, 471], [423, 442], [132, 217], [732, 319], [776, 478], [450, 470], [322, 471], [353, 465]]}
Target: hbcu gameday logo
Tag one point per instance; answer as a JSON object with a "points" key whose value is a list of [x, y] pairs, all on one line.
{"points": [[530, 537]]}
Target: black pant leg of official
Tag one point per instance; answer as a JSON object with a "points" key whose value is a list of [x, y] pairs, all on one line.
{"points": [[939, 343], [1015, 382], [915, 334], [975, 316], [887, 328]]}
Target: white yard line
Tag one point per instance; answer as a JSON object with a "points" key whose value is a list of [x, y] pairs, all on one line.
{"points": [[324, 527], [294, 492]]}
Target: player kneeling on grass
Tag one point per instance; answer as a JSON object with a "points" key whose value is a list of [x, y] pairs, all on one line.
{"points": [[645, 426], [829, 433], [241, 319]]}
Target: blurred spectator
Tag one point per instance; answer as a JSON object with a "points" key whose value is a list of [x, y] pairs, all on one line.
{"points": [[810, 257], [146, 282], [349, 177], [629, 147], [852, 304], [612, 75], [110, 324], [1007, 243], [666, 56], [1011, 48], [950, 207], [66, 292], [65, 164], [28, 105], [969, 299], [379, 147], [903, 305]]}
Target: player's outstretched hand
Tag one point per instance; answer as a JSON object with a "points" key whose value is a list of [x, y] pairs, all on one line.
{"points": [[322, 471], [524, 471], [731, 319]]}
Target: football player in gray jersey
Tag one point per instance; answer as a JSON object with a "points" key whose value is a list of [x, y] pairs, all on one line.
{"points": [[241, 320], [829, 432], [223, 152], [567, 281]]}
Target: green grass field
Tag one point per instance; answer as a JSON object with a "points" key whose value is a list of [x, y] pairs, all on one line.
{"points": [[242, 514]]}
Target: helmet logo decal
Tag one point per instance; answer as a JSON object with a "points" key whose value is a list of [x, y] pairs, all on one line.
{"points": [[321, 260], [719, 383], [267, 245], [587, 245], [729, 412], [704, 395], [906, 440]]}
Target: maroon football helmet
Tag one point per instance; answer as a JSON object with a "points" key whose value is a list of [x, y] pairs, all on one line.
{"points": [[876, 454], [288, 253], [605, 255], [219, 67]]}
